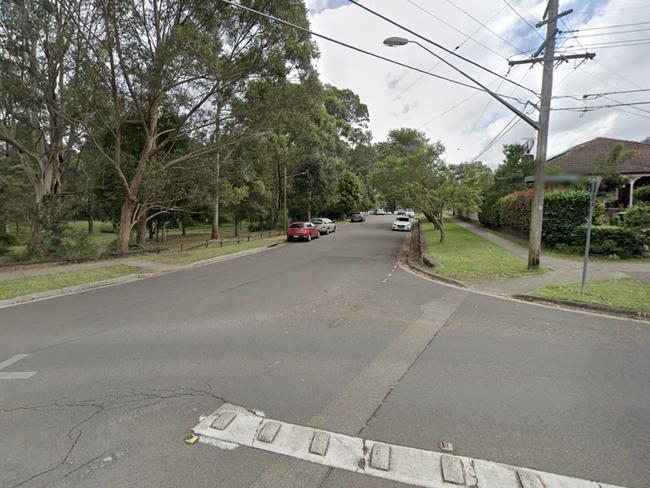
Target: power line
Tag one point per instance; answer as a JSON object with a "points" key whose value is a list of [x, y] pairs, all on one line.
{"points": [[507, 128], [601, 94], [522, 18], [519, 51], [607, 26], [635, 42], [358, 49], [588, 108], [377, 14], [600, 34], [467, 37]]}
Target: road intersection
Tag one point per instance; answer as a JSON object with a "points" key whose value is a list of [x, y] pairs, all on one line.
{"points": [[315, 334]]}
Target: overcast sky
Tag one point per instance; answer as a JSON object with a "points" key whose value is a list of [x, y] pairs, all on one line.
{"points": [[398, 97]]}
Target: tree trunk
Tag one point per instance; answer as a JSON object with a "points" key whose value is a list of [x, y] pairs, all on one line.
{"points": [[141, 234], [3, 227], [237, 226], [126, 224], [91, 224], [438, 222]]}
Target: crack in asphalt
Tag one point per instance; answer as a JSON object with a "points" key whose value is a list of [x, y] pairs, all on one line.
{"points": [[113, 402]]}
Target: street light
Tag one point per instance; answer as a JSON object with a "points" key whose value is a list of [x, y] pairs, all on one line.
{"points": [[401, 41], [395, 41]]}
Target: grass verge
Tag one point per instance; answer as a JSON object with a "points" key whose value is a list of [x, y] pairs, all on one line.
{"points": [[213, 251], [467, 256], [54, 281], [625, 293]]}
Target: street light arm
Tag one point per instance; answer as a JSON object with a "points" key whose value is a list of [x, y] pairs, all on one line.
{"points": [[512, 108]]}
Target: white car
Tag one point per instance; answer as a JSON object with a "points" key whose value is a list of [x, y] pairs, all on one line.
{"points": [[325, 226], [402, 222], [409, 212]]}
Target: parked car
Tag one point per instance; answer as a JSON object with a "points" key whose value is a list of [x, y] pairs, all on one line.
{"points": [[324, 225], [302, 230], [409, 212], [399, 211], [402, 222], [357, 217]]}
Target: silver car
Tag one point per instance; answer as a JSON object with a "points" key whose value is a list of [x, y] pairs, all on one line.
{"points": [[324, 225]]}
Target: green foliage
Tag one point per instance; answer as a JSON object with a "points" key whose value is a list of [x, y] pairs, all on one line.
{"points": [[508, 178], [642, 194], [76, 244], [564, 211], [608, 167], [638, 217], [350, 191], [611, 240]]}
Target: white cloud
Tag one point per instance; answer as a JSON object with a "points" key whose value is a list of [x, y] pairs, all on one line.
{"points": [[465, 130]]}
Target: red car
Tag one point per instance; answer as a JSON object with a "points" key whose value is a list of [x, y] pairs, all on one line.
{"points": [[302, 230]]}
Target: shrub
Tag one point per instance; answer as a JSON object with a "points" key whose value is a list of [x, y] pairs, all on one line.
{"points": [[76, 244], [611, 240], [8, 240], [642, 194], [638, 217], [564, 212]]}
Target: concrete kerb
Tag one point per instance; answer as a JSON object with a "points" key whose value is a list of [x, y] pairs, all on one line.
{"points": [[622, 312], [413, 259], [70, 290]]}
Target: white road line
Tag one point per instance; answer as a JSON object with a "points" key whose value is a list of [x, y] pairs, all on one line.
{"points": [[20, 375], [409, 465]]}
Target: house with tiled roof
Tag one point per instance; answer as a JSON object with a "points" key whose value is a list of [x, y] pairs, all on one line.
{"points": [[584, 159]]}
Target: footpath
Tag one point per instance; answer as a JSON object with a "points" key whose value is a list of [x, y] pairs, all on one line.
{"points": [[562, 270]]}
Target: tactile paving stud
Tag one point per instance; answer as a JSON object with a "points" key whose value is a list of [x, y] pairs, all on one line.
{"points": [[319, 443], [268, 432], [380, 456], [452, 470], [223, 420]]}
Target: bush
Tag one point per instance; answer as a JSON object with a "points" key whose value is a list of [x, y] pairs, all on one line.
{"points": [[76, 244], [8, 240], [638, 217], [642, 194], [611, 240], [564, 212]]}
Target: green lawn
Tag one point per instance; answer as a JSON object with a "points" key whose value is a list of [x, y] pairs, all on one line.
{"points": [[53, 281], [468, 256], [624, 293], [214, 250]]}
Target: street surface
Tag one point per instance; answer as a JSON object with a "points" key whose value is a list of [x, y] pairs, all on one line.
{"points": [[329, 334]]}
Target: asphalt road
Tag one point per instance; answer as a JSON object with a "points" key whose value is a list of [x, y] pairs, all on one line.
{"points": [[329, 334]]}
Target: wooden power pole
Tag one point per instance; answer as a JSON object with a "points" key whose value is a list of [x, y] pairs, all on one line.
{"points": [[548, 60]]}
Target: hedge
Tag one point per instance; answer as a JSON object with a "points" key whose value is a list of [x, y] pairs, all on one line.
{"points": [[611, 240], [564, 212]]}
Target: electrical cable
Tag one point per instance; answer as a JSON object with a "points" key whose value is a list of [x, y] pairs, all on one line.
{"points": [[522, 18], [377, 14], [358, 49], [519, 51]]}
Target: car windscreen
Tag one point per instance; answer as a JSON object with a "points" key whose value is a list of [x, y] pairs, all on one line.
{"points": [[402, 219], [316, 221], [297, 226]]}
